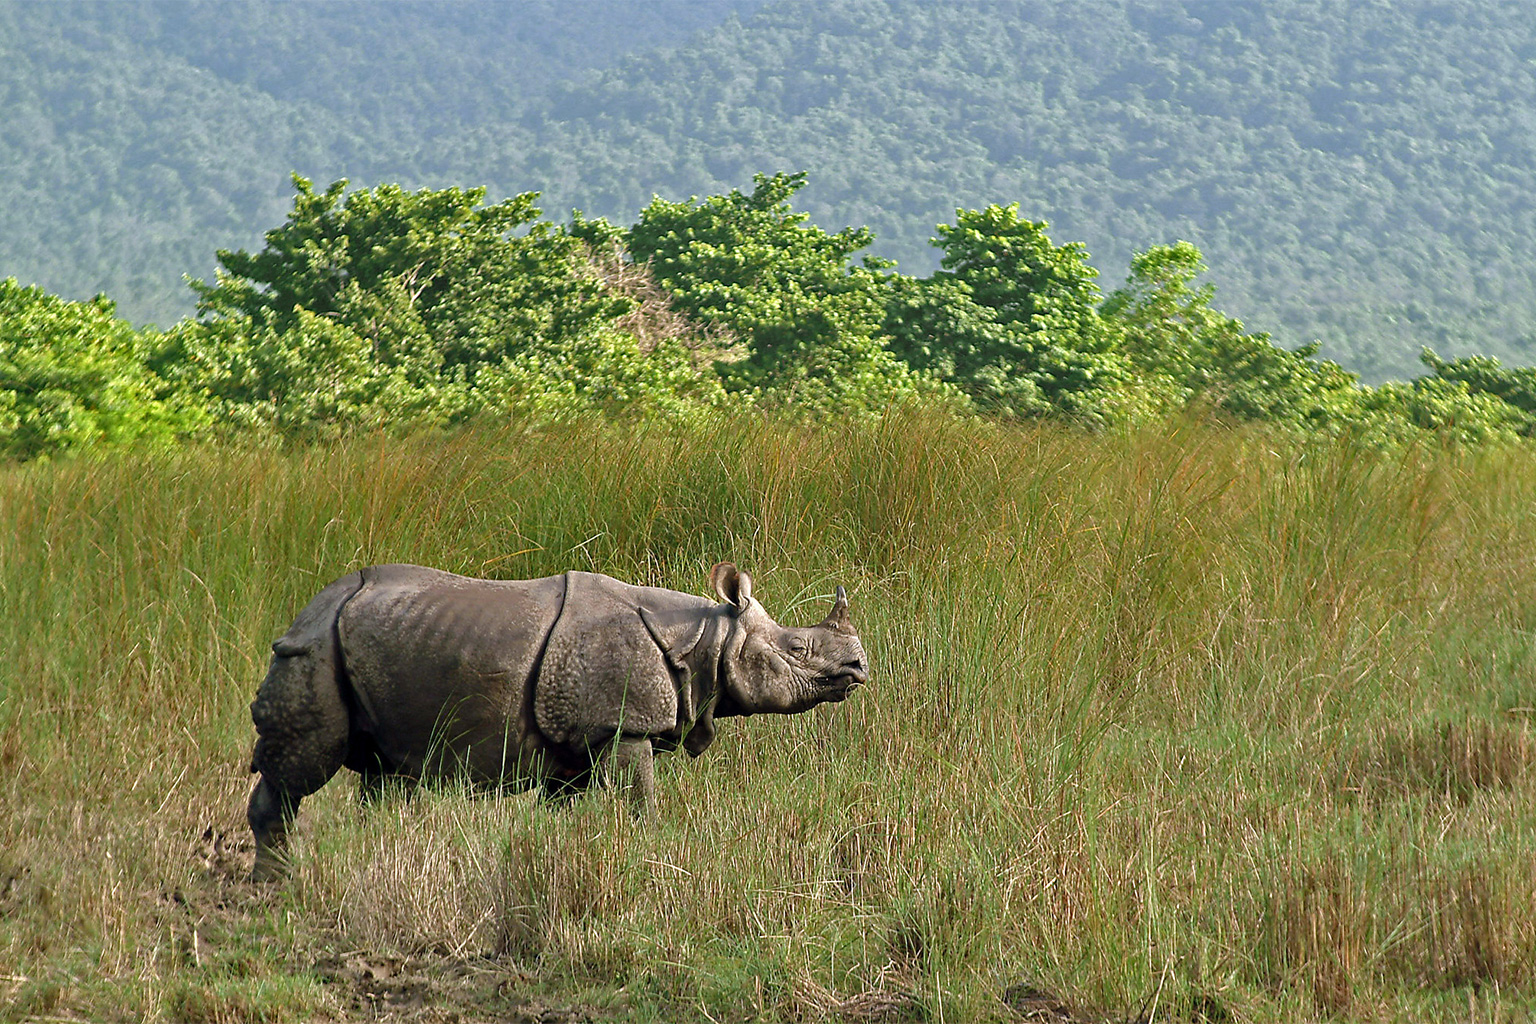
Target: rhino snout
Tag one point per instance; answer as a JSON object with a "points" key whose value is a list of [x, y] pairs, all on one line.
{"points": [[848, 677]]}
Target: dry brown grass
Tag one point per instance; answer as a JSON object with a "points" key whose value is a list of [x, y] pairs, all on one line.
{"points": [[1451, 759]]}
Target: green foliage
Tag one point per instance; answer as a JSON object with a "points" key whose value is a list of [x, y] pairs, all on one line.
{"points": [[428, 277], [1187, 353], [937, 326], [393, 307], [605, 370], [1013, 268], [1012, 320], [1451, 409], [72, 376], [1168, 329], [1190, 354], [384, 308], [1483, 375], [810, 320], [137, 138], [1261, 381], [1357, 173], [316, 373]]}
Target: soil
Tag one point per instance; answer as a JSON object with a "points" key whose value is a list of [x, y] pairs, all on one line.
{"points": [[421, 989]]}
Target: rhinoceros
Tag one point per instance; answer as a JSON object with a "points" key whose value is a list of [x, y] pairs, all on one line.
{"points": [[402, 670]]}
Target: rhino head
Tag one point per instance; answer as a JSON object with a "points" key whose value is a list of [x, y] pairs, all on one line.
{"points": [[769, 668]]}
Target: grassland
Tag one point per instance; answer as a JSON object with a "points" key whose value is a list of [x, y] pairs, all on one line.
{"points": [[1180, 724]]}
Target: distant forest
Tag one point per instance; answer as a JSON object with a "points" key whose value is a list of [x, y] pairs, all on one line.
{"points": [[1360, 174]]}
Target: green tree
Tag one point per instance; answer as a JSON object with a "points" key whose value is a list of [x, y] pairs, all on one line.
{"points": [[1484, 375], [1186, 352], [73, 376], [384, 306], [1012, 320], [810, 320], [315, 374], [1450, 409], [427, 275]]}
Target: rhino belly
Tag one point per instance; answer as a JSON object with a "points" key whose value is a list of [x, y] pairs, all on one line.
{"points": [[441, 667]]}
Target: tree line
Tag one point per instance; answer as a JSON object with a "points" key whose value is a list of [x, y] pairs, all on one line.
{"points": [[384, 308]]}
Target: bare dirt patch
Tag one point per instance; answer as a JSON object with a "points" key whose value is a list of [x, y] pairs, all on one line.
{"points": [[428, 987]]}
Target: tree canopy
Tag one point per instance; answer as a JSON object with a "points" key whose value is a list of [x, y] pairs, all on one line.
{"points": [[73, 376], [809, 318], [383, 308]]}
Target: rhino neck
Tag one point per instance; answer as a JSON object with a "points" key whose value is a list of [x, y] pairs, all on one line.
{"points": [[727, 652], [695, 645]]}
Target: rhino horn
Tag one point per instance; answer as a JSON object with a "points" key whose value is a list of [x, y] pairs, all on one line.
{"points": [[838, 619], [732, 586]]}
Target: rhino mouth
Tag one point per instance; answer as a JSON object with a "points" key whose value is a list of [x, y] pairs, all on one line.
{"points": [[838, 687]]}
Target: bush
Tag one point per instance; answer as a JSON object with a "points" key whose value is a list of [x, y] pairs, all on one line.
{"points": [[393, 308], [1012, 320], [73, 375], [811, 321]]}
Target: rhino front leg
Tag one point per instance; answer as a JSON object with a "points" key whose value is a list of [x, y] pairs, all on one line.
{"points": [[632, 770]]}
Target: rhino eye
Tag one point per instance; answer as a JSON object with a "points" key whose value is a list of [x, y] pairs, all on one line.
{"points": [[797, 644]]}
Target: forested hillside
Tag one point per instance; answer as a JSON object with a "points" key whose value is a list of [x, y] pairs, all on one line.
{"points": [[1360, 174], [138, 138]]}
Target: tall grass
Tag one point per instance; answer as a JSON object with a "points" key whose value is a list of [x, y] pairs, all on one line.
{"points": [[1187, 723]]}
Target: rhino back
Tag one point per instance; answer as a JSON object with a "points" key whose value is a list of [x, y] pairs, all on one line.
{"points": [[441, 666]]}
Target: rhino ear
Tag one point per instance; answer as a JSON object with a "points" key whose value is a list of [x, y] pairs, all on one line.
{"points": [[732, 586]]}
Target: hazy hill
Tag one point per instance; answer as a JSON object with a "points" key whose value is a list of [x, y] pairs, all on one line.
{"points": [[139, 137], [1362, 173]]}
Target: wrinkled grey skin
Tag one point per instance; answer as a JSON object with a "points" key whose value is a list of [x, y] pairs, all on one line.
{"points": [[400, 670]]}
